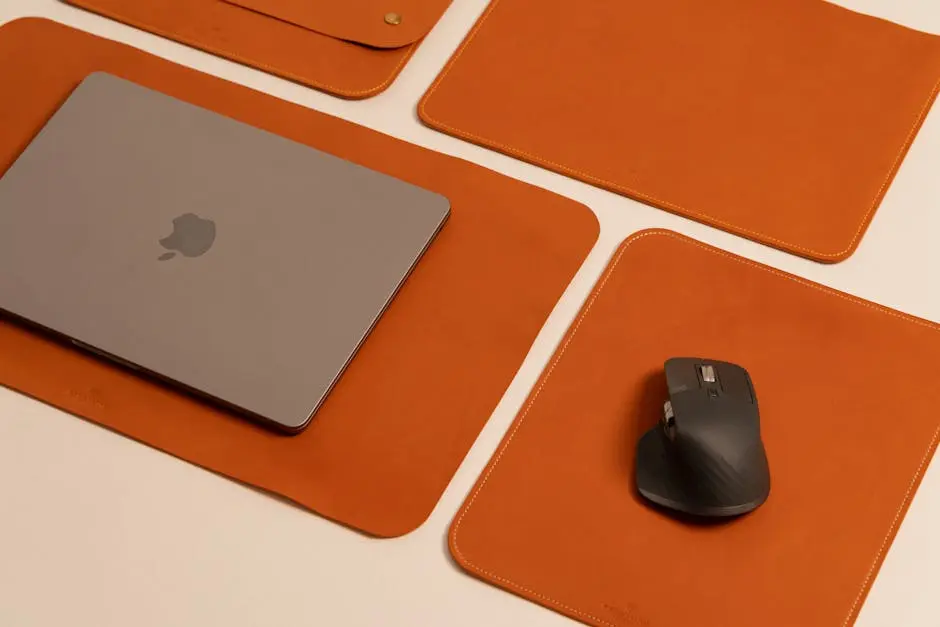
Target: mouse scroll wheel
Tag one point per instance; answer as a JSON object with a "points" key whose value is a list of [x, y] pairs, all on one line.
{"points": [[669, 420], [708, 374]]}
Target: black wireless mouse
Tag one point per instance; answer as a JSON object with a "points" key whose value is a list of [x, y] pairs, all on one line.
{"points": [[705, 458]]}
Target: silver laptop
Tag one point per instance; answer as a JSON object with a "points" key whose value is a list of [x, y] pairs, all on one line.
{"points": [[227, 260]]}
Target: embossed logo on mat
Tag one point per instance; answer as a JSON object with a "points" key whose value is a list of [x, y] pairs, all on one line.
{"points": [[629, 616], [87, 397]]}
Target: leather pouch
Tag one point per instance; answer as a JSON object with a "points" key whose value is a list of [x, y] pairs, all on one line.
{"points": [[349, 48]]}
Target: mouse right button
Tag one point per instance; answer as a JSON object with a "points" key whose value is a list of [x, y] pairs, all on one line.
{"points": [[735, 381]]}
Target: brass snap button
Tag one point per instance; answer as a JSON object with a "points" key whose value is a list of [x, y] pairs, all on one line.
{"points": [[393, 19]]}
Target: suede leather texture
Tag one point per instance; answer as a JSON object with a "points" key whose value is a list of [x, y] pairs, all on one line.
{"points": [[783, 122]]}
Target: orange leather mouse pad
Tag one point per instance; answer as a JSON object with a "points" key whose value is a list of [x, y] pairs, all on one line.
{"points": [[351, 48], [783, 122], [848, 411], [383, 447]]}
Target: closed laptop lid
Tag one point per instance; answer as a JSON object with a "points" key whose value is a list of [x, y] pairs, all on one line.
{"points": [[221, 257]]}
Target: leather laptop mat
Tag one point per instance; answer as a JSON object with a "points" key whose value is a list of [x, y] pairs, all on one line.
{"points": [[783, 122], [349, 48], [848, 404], [385, 444]]}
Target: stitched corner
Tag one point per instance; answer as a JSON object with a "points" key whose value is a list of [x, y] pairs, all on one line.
{"points": [[517, 424], [653, 200]]}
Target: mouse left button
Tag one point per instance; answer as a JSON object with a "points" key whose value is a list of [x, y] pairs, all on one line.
{"points": [[682, 374]]}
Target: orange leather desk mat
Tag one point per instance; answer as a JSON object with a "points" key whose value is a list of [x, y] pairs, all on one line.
{"points": [[346, 48], [392, 432], [848, 416], [783, 122]]}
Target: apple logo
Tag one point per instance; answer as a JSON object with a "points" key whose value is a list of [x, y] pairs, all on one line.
{"points": [[192, 236]]}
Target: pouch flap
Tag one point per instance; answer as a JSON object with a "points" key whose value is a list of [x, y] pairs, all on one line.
{"points": [[377, 23]]}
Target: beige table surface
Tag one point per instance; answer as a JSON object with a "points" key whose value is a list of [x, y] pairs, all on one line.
{"points": [[96, 530]]}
